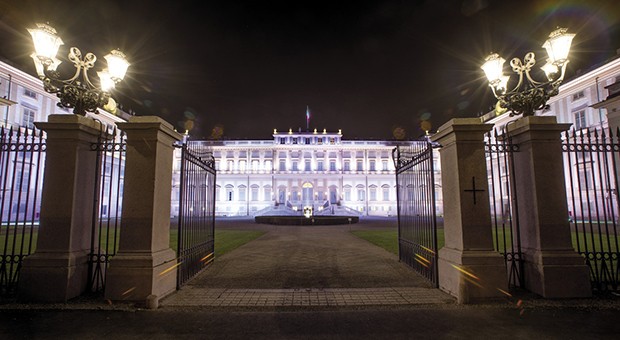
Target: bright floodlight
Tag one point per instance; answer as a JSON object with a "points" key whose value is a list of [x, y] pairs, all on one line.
{"points": [[550, 69], [558, 45], [117, 65], [493, 67], [106, 82], [46, 42], [529, 95]]}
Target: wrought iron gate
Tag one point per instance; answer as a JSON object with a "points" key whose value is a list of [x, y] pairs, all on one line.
{"points": [[417, 221], [22, 160], [108, 196], [499, 151], [592, 168], [196, 227]]}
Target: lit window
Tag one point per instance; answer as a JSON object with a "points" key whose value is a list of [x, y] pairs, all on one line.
{"points": [[580, 119], [267, 194], [361, 195], [578, 95], [28, 117], [30, 93], [386, 193]]}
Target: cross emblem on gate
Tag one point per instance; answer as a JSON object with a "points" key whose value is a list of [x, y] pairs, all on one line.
{"points": [[473, 190]]}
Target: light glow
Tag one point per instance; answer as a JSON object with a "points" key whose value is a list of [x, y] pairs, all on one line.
{"points": [[117, 65], [46, 42], [558, 46], [107, 84], [493, 68]]}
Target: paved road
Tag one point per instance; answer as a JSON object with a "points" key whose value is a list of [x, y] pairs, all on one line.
{"points": [[415, 323], [307, 266], [531, 318]]}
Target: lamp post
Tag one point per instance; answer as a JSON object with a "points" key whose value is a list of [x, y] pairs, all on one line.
{"points": [[530, 95], [77, 92]]}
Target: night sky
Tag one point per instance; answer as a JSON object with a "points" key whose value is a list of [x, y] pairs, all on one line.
{"points": [[375, 69]]}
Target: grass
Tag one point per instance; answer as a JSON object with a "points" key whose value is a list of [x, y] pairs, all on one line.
{"points": [[388, 240], [228, 240], [225, 240]]}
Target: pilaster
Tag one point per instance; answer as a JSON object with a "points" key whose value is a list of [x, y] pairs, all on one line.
{"points": [[144, 264], [58, 270], [469, 268], [552, 268]]}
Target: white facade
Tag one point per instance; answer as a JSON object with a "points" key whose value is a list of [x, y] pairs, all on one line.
{"points": [[300, 169]]}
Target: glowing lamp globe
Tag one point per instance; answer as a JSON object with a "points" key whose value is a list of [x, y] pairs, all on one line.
{"points": [[117, 65], [493, 68], [105, 80], [558, 46], [46, 42]]}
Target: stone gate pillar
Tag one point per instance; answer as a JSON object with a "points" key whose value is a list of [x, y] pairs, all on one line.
{"points": [[552, 268], [58, 270], [469, 268], [144, 267]]}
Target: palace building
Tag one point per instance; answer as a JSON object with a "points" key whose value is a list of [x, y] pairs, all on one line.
{"points": [[293, 170]]}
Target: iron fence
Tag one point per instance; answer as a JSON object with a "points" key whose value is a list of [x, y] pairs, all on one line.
{"points": [[499, 151], [417, 221], [196, 224], [591, 163], [22, 159], [107, 206]]}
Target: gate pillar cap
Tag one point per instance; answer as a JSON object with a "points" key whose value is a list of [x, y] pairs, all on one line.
{"points": [[539, 123], [148, 123], [472, 129], [70, 122]]}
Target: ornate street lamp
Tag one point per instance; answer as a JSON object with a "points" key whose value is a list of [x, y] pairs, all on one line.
{"points": [[530, 95], [77, 92]]}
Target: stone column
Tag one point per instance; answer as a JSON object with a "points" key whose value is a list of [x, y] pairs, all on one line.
{"points": [[553, 269], [144, 267], [469, 268], [58, 270]]}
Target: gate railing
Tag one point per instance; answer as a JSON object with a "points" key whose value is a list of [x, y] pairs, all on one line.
{"points": [[107, 209], [499, 151], [196, 225], [417, 222], [591, 163], [22, 160]]}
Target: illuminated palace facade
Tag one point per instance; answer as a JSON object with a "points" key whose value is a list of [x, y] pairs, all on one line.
{"points": [[300, 169]]}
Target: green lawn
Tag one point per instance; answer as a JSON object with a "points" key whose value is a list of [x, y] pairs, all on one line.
{"points": [[388, 240], [225, 240], [228, 240]]}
